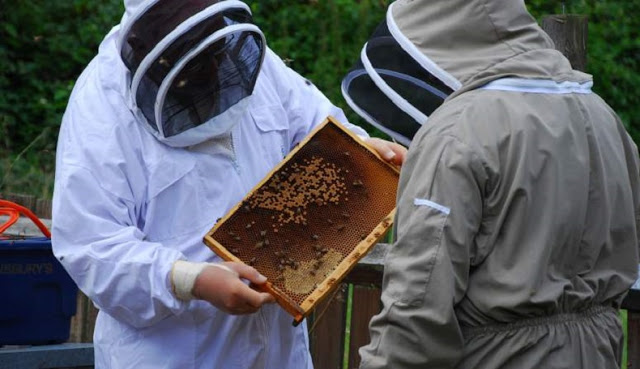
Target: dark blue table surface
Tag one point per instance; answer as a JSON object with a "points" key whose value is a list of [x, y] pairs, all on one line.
{"points": [[66, 355]]}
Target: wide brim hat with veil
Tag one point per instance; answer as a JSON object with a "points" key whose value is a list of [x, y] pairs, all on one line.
{"points": [[393, 86], [424, 53], [192, 65]]}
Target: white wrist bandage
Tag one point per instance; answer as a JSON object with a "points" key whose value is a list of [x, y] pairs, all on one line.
{"points": [[184, 274]]}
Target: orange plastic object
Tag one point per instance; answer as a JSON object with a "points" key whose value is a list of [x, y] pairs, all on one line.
{"points": [[309, 222], [13, 218], [14, 210]]}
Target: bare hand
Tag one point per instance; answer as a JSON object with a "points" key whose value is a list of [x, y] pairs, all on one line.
{"points": [[391, 152], [225, 289]]}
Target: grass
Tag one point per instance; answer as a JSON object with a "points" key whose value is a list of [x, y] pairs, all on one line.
{"points": [[30, 171], [623, 317], [347, 331]]}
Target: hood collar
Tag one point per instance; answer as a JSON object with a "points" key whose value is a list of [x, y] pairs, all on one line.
{"points": [[468, 43]]}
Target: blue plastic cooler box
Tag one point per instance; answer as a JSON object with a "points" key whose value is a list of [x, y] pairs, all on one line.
{"points": [[39, 297]]}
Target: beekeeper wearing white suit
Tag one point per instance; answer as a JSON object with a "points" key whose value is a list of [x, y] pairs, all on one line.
{"points": [[181, 113]]}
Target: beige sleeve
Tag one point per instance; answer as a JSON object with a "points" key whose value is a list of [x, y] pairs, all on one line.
{"points": [[426, 271]]}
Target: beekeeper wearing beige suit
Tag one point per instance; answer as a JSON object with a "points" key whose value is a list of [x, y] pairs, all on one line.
{"points": [[518, 205]]}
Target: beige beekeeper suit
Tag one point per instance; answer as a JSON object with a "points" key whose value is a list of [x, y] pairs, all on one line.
{"points": [[517, 223]]}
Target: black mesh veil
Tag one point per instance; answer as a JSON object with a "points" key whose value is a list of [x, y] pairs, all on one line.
{"points": [[390, 89], [200, 83], [376, 107], [222, 74]]}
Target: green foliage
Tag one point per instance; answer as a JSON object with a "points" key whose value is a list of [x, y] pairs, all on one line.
{"points": [[321, 39], [44, 46], [613, 51]]}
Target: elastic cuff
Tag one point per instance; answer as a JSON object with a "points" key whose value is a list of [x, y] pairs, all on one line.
{"points": [[184, 274], [183, 277]]}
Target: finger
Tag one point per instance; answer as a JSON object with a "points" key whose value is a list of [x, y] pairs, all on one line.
{"points": [[260, 298], [400, 151], [251, 307], [392, 152], [269, 298], [247, 272], [381, 148], [253, 298]]}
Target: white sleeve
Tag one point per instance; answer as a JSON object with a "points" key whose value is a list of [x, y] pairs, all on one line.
{"points": [[306, 106], [95, 229]]}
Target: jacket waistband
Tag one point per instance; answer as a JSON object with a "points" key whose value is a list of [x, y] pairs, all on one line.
{"points": [[556, 319]]}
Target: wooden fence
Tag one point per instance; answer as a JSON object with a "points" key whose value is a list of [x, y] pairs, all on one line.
{"points": [[335, 334]]}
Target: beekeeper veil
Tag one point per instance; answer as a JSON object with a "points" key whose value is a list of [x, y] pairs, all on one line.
{"points": [[426, 52], [393, 87], [193, 65]]}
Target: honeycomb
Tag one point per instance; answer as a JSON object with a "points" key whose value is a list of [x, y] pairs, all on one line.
{"points": [[312, 218]]}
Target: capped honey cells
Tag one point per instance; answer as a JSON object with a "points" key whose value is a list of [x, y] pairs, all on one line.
{"points": [[307, 224]]}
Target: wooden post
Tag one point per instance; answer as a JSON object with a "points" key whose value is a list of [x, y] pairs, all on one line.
{"points": [[27, 201], [366, 304], [569, 33], [327, 331]]}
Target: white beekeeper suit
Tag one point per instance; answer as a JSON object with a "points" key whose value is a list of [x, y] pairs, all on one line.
{"points": [[128, 204]]}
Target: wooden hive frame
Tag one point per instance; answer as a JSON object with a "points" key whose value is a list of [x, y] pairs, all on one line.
{"points": [[323, 289]]}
